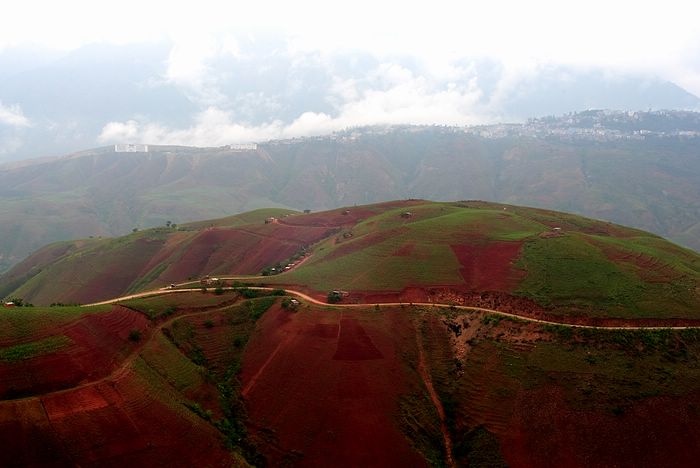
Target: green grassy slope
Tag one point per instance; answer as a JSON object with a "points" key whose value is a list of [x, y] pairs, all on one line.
{"points": [[562, 263], [587, 267]]}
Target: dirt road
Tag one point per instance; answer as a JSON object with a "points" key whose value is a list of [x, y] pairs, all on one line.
{"points": [[312, 300]]}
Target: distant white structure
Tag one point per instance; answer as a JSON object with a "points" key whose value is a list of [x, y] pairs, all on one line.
{"points": [[243, 147], [130, 148]]}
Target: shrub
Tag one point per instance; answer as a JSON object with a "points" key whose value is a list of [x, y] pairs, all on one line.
{"points": [[219, 291], [135, 335], [209, 324], [334, 297]]}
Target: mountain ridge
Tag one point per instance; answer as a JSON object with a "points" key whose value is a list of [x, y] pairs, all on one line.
{"points": [[647, 180]]}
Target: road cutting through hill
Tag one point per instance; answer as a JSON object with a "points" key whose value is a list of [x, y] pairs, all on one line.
{"points": [[312, 300]]}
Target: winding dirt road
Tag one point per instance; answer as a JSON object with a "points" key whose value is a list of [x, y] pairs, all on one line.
{"points": [[306, 297]]}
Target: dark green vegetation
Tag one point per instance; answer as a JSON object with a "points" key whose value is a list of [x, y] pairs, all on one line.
{"points": [[220, 360], [653, 184]]}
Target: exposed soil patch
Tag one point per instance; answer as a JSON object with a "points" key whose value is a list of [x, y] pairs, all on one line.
{"points": [[309, 409], [659, 431], [98, 344], [489, 266], [650, 269], [405, 250], [354, 344], [241, 251]]}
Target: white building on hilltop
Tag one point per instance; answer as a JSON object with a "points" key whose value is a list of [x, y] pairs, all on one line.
{"points": [[130, 148], [243, 147]]}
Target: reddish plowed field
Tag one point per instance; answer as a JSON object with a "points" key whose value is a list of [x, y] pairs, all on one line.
{"points": [[405, 250], [116, 275], [330, 412], [489, 267], [407, 295], [660, 431], [240, 251], [649, 268], [119, 422], [99, 343], [27, 437], [354, 344]]}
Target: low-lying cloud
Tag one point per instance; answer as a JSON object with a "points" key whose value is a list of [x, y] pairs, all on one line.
{"points": [[389, 94], [12, 116]]}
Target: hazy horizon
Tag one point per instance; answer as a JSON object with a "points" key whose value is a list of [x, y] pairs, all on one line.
{"points": [[83, 74]]}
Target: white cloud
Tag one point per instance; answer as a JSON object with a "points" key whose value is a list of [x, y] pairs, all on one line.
{"points": [[404, 98], [623, 33], [12, 116]]}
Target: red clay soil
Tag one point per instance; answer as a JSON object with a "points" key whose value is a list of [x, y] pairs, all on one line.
{"points": [[546, 431], [99, 342], [489, 266], [240, 251], [407, 295], [649, 269], [405, 250], [322, 389], [115, 275], [115, 423]]}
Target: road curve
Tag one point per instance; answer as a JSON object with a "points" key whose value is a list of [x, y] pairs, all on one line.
{"points": [[307, 298]]}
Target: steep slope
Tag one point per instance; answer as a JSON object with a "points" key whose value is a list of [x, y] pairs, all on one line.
{"points": [[85, 271]]}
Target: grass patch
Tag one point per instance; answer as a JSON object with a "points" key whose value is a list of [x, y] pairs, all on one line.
{"points": [[20, 323], [35, 348]]}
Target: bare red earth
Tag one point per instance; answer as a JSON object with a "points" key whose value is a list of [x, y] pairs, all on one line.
{"points": [[546, 431], [489, 266], [115, 423], [240, 251], [322, 389], [99, 342]]}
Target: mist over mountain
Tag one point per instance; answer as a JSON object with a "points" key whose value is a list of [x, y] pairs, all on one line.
{"points": [[261, 88]]}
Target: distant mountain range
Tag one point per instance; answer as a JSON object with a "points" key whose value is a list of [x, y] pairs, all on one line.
{"points": [[59, 103], [636, 169]]}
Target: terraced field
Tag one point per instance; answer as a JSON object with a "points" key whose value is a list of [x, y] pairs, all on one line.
{"points": [[101, 396]]}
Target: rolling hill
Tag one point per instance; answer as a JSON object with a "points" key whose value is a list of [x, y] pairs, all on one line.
{"points": [[463, 334], [538, 262], [649, 181]]}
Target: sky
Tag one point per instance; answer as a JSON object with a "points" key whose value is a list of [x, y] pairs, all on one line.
{"points": [[647, 35], [660, 39]]}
